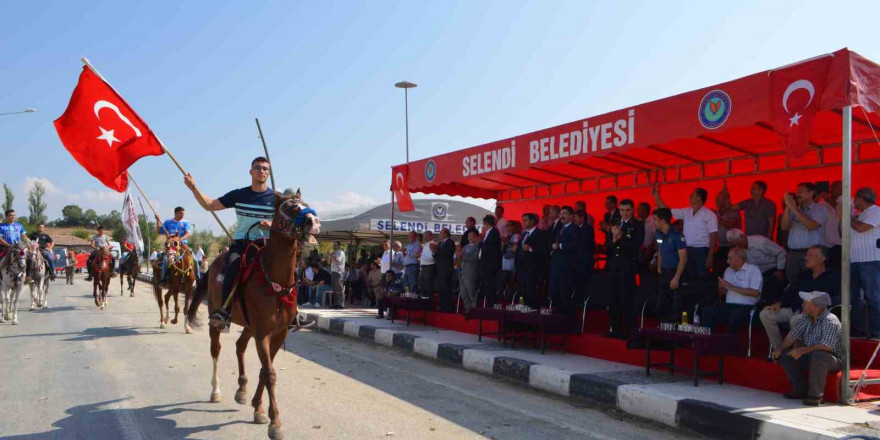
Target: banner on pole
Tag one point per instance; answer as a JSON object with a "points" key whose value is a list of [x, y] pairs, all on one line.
{"points": [[130, 223]]}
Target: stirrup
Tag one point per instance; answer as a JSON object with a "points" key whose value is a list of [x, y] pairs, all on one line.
{"points": [[219, 319]]}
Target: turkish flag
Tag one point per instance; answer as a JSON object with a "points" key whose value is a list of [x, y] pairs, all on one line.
{"points": [[795, 93], [103, 133], [400, 186]]}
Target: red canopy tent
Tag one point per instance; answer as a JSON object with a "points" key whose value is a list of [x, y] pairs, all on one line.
{"points": [[809, 121]]}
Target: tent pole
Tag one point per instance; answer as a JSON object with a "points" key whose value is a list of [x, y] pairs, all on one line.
{"points": [[391, 241], [845, 233]]}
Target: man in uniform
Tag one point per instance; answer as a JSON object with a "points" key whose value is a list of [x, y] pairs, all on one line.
{"points": [[671, 261], [46, 245], [254, 204], [623, 242]]}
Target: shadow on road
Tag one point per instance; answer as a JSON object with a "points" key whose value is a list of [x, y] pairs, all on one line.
{"points": [[91, 334], [110, 421]]}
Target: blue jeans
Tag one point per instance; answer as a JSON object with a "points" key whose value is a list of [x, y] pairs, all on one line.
{"points": [[411, 277], [49, 259], [316, 293], [866, 276]]}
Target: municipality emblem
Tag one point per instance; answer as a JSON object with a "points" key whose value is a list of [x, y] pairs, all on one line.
{"points": [[430, 171], [714, 109]]}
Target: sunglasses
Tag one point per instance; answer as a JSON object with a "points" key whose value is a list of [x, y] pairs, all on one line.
{"points": [[260, 168]]}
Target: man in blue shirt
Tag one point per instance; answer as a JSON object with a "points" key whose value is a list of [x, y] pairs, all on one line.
{"points": [[254, 205], [176, 226], [671, 261], [11, 231]]}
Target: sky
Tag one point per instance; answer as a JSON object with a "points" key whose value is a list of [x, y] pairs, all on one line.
{"points": [[320, 76]]}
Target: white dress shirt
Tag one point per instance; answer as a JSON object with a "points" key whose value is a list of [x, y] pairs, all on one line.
{"points": [[832, 229], [697, 226], [864, 244], [765, 253], [749, 277]]}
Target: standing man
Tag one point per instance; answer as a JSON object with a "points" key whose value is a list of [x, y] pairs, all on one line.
{"points": [[832, 229], [700, 231], [176, 226], [500, 221], [46, 245], [470, 224], [254, 204], [397, 258], [427, 266], [728, 218], [581, 205], [337, 271], [562, 258], [11, 231], [385, 261], [531, 257], [586, 246], [813, 345], [648, 246], [443, 258], [760, 212], [470, 272], [805, 222], [490, 259], [199, 254], [411, 262], [671, 261], [612, 213], [623, 243], [865, 267]]}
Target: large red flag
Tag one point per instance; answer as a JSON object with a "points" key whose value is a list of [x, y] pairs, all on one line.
{"points": [[103, 133], [795, 94], [400, 186]]}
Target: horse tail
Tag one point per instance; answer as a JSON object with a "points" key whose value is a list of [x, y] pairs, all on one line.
{"points": [[199, 295]]}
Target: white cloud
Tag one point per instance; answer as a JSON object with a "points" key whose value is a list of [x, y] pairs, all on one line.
{"points": [[90, 196], [51, 188], [342, 202]]}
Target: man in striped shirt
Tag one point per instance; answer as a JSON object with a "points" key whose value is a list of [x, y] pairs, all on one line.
{"points": [[864, 255], [254, 207]]}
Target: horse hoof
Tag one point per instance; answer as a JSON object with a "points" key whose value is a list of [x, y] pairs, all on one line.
{"points": [[174, 321], [14, 322], [275, 433], [215, 397], [241, 399], [132, 295], [32, 308], [189, 331], [260, 418], [161, 324]]}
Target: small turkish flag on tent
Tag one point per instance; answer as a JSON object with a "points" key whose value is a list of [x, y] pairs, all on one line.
{"points": [[795, 95], [103, 133], [401, 188]]}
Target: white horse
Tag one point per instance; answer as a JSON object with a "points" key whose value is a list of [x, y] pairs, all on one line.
{"points": [[12, 272], [37, 271]]}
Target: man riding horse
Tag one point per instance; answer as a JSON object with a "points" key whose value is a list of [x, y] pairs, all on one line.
{"points": [[179, 227], [99, 241], [254, 205], [46, 245], [11, 232]]}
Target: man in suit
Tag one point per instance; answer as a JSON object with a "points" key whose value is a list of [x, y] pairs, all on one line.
{"points": [[562, 261], [470, 224], [531, 257], [623, 241], [490, 259], [586, 247], [443, 257]]}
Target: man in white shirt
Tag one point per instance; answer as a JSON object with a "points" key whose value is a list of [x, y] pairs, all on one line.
{"points": [[385, 262], [427, 264], [200, 254], [764, 253], [337, 271], [501, 222], [741, 287], [805, 222], [864, 254], [700, 231], [397, 263], [832, 230]]}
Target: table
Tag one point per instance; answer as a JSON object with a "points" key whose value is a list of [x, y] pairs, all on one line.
{"points": [[410, 304], [554, 324], [487, 314], [703, 345]]}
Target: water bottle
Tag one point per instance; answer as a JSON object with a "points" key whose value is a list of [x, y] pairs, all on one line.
{"points": [[522, 301], [684, 318], [696, 319]]}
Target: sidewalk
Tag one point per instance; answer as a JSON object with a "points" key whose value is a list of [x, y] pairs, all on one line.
{"points": [[720, 411]]}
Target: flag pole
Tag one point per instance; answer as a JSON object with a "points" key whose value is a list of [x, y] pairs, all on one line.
{"points": [[130, 177], [147, 230], [164, 148], [266, 150]]}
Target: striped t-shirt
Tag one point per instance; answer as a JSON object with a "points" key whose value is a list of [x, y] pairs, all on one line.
{"points": [[864, 244], [250, 207]]}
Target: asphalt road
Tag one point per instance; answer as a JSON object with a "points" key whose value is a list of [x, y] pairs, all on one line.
{"points": [[74, 372]]}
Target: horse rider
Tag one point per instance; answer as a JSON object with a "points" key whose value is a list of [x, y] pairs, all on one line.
{"points": [[46, 245], [254, 205], [175, 226], [99, 240], [11, 232], [127, 248]]}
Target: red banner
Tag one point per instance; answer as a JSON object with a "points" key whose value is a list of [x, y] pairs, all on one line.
{"points": [[795, 93]]}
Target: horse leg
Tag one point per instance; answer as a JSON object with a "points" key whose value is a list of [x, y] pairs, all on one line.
{"points": [[157, 292], [34, 293], [14, 304], [215, 354], [260, 417], [275, 426], [121, 287], [95, 290], [168, 303], [45, 290], [240, 347], [176, 307], [187, 295]]}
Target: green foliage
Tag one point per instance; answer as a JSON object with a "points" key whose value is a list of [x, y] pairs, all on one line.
{"points": [[82, 233], [36, 205], [7, 202], [72, 215]]}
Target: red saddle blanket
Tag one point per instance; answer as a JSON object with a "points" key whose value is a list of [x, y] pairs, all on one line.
{"points": [[252, 266]]}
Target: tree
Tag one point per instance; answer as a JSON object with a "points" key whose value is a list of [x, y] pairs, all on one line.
{"points": [[36, 205], [7, 203], [90, 216], [82, 233], [72, 215]]}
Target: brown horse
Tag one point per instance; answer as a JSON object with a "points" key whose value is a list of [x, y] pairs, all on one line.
{"points": [[260, 309], [128, 270], [180, 276], [101, 271]]}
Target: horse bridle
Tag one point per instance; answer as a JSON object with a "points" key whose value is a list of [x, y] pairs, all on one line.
{"points": [[290, 228]]}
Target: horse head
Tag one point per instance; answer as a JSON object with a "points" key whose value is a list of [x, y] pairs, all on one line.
{"points": [[294, 218], [172, 247], [17, 259]]}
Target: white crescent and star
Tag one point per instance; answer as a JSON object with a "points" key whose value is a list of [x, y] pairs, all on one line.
{"points": [[399, 181], [797, 85], [109, 135]]}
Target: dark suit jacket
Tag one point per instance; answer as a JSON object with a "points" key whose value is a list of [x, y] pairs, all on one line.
{"points": [[567, 239], [532, 263], [490, 251], [627, 248], [444, 256], [586, 247], [464, 238]]}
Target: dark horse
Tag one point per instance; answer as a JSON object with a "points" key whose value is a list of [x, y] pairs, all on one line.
{"points": [[129, 270], [180, 276], [267, 317], [102, 272]]}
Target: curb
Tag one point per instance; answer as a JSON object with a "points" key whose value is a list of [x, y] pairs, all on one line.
{"points": [[637, 400]]}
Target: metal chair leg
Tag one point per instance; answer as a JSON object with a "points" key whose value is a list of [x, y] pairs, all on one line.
{"points": [[584, 317], [751, 321]]}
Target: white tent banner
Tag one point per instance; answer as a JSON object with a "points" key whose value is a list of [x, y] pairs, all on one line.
{"points": [[384, 225]]}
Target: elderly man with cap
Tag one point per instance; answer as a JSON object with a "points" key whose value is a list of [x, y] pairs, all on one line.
{"points": [[813, 345]]}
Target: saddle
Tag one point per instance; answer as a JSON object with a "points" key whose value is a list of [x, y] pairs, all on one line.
{"points": [[251, 265]]}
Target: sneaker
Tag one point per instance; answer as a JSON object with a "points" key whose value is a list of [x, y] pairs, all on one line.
{"points": [[812, 401], [795, 396]]}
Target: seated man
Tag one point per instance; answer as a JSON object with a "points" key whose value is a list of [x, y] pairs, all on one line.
{"points": [[741, 287], [392, 285], [813, 345], [321, 283], [46, 245], [787, 308], [374, 282], [99, 240], [127, 249], [767, 255]]}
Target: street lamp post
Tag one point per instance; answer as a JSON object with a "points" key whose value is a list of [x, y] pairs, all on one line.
{"points": [[405, 85], [27, 110]]}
